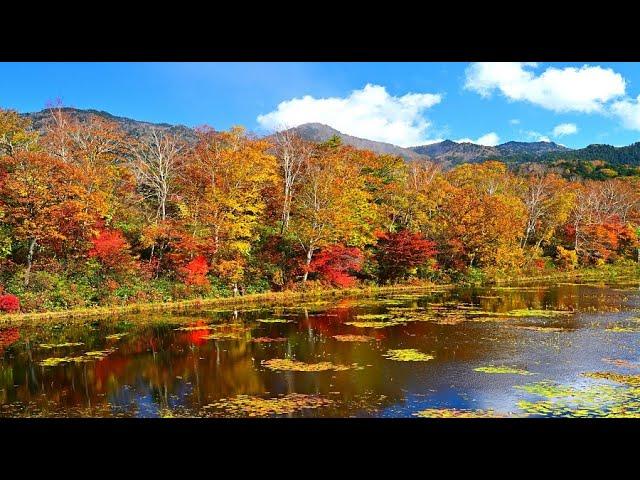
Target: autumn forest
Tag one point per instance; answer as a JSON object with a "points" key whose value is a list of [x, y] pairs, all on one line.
{"points": [[92, 216]]}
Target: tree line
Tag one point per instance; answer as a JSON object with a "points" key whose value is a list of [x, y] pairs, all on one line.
{"points": [[90, 215]]}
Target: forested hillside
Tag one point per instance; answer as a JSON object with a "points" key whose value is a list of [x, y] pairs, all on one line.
{"points": [[93, 213]]}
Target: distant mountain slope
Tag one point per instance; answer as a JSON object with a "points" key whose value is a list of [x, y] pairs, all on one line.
{"points": [[447, 152], [318, 132], [135, 128], [453, 152]]}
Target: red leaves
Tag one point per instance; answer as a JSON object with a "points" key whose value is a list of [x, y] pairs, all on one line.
{"points": [[111, 249], [335, 262], [9, 303], [400, 252], [8, 337], [195, 272]]}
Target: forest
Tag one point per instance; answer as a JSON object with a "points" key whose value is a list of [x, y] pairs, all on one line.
{"points": [[91, 216]]}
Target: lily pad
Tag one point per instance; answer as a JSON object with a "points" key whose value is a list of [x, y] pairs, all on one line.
{"points": [[455, 413]]}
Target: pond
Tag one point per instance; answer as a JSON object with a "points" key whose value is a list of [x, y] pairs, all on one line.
{"points": [[539, 350]]}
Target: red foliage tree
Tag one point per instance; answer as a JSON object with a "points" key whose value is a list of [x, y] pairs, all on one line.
{"points": [[195, 272], [334, 264], [111, 249], [398, 253], [9, 303]]}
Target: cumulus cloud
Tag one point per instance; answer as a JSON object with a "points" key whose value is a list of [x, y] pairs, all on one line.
{"points": [[564, 129], [370, 113], [628, 111], [536, 136], [586, 89], [514, 121], [489, 139]]}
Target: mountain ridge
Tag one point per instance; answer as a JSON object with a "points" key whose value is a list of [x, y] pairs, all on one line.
{"points": [[447, 152]]}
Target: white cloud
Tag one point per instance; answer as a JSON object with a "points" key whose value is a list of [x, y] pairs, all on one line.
{"points": [[584, 89], [489, 139], [564, 129], [514, 121], [368, 113], [628, 111], [536, 136]]}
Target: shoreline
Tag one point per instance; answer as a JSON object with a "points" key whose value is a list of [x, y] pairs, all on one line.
{"points": [[268, 297], [289, 296]]}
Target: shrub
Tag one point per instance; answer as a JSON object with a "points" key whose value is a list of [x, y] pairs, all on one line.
{"points": [[9, 303]]}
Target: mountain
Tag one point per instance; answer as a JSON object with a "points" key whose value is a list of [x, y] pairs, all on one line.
{"points": [[318, 132], [530, 148], [447, 152], [135, 128], [450, 152]]}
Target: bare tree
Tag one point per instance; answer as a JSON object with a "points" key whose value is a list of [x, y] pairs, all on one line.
{"points": [[293, 154], [156, 164]]}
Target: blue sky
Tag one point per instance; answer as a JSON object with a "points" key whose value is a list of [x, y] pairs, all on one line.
{"points": [[402, 103]]}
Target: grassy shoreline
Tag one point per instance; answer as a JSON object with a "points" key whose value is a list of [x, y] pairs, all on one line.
{"points": [[268, 297], [608, 273]]}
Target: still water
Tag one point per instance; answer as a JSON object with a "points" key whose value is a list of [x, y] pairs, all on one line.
{"points": [[530, 350]]}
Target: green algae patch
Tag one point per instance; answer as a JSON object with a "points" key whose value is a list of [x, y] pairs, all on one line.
{"points": [[354, 338], [408, 355], [456, 413], [285, 364], [503, 370], [253, 406], [49, 346]]}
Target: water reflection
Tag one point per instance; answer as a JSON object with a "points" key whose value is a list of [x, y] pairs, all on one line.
{"points": [[182, 364]]}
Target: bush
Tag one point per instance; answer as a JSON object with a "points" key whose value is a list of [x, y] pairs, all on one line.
{"points": [[9, 303], [566, 259]]}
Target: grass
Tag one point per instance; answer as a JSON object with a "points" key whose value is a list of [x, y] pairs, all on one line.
{"points": [[240, 301]]}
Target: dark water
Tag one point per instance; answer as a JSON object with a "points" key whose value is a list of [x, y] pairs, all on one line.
{"points": [[152, 368]]}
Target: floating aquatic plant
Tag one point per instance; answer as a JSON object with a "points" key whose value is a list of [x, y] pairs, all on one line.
{"points": [[373, 316], [618, 362], [115, 336], [353, 338], [503, 370], [455, 413], [274, 320], [60, 345], [297, 366], [408, 355], [253, 406], [194, 328], [633, 380], [86, 357], [268, 339]]}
